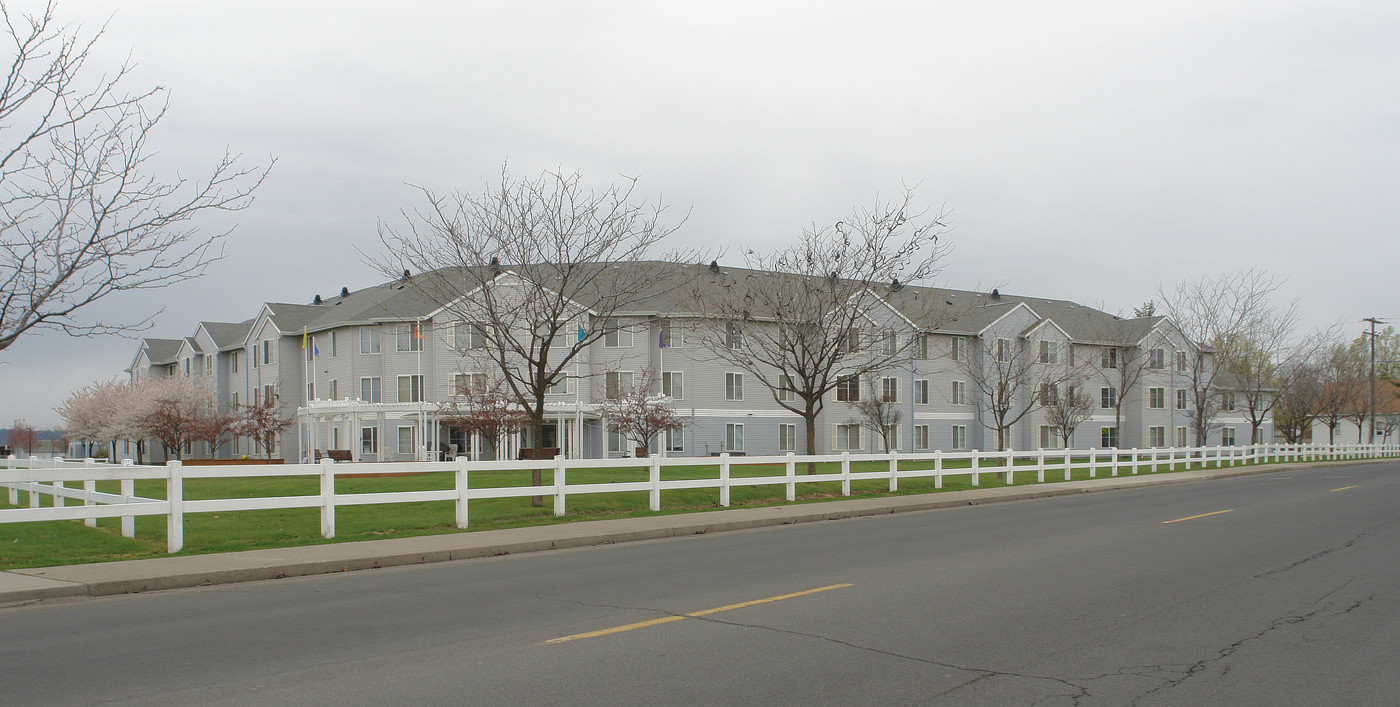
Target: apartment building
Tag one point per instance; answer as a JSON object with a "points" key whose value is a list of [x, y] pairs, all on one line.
{"points": [[367, 370]]}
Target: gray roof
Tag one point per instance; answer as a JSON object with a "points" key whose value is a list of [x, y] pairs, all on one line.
{"points": [[161, 351], [227, 335]]}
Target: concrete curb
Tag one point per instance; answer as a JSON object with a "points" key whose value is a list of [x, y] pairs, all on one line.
{"points": [[132, 576]]}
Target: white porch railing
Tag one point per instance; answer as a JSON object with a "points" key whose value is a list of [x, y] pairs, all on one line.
{"points": [[39, 478]]}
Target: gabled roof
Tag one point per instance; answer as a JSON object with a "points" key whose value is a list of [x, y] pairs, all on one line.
{"points": [[227, 335], [161, 351]]}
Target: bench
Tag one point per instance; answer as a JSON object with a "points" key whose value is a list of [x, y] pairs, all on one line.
{"points": [[335, 455]]}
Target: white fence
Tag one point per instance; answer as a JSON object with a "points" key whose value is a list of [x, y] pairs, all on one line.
{"points": [[50, 477]]}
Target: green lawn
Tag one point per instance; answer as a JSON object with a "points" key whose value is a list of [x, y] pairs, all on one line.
{"points": [[71, 542]]}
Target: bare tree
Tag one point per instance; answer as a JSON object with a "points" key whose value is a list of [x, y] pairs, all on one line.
{"points": [[1002, 372], [486, 409], [1120, 365], [879, 412], [21, 436], [1298, 385], [1066, 406], [800, 320], [264, 422], [640, 413], [1226, 313], [82, 214], [535, 271], [1343, 390]]}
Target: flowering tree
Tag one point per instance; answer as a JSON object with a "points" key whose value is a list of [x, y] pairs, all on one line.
{"points": [[180, 405], [639, 414], [487, 409], [263, 423]]}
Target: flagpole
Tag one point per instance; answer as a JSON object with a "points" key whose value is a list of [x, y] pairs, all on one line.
{"points": [[661, 375]]}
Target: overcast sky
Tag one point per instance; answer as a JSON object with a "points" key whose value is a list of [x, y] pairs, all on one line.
{"points": [[1086, 151]]}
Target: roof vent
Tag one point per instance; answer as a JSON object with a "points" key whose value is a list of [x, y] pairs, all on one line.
{"points": [[495, 265], [344, 292], [406, 276], [996, 294], [316, 299], [896, 285], [714, 266]]}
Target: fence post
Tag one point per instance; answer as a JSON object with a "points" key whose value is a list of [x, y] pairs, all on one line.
{"points": [[89, 487], [938, 468], [894, 472], [174, 495], [724, 479], [128, 491], [34, 486], [327, 498], [655, 482], [845, 474], [559, 483], [1010, 467], [791, 477], [1040, 467], [14, 492], [974, 466], [461, 481]]}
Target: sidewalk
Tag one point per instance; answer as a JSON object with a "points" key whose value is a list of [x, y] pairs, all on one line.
{"points": [[253, 565]]}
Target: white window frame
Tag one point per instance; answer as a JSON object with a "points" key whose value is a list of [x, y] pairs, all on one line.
{"points": [[921, 391], [468, 381], [1002, 350], [958, 348], [369, 341], [841, 437], [921, 438], [412, 439], [1049, 351], [1157, 398], [889, 343], [734, 335], [404, 340], [787, 392], [1108, 437], [1227, 436], [733, 386], [415, 385], [1157, 436], [787, 437], [369, 444], [672, 333], [673, 384], [674, 439], [617, 384], [960, 393], [1157, 358], [889, 389], [617, 333], [848, 389], [1181, 436], [1108, 398], [1180, 361], [959, 440], [733, 436], [1108, 358]]}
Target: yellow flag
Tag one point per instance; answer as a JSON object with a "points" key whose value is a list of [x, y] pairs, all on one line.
{"points": [[303, 337]]}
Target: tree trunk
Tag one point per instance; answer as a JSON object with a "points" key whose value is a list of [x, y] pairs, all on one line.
{"points": [[537, 432], [810, 418]]}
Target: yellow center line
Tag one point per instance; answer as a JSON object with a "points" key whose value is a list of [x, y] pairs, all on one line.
{"points": [[1203, 515], [1346, 487], [704, 612]]}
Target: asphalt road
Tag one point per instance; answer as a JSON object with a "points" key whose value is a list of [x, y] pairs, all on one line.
{"points": [[1286, 593]]}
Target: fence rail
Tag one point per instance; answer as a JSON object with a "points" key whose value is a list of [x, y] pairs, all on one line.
{"points": [[44, 477]]}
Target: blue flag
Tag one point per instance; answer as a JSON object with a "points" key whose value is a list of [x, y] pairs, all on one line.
{"points": [[580, 332], [661, 340]]}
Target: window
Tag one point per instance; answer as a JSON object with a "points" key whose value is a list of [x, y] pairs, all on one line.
{"points": [[959, 348], [267, 352], [1108, 398], [850, 341], [675, 440], [187, 367], [1181, 363], [889, 342], [467, 335], [1181, 400], [1157, 358], [1181, 436], [787, 437], [369, 440], [1108, 437], [617, 383], [332, 390], [310, 391], [1003, 350], [892, 435], [733, 335], [209, 364], [1108, 358], [733, 386], [920, 438], [411, 389], [616, 441], [1049, 394], [847, 438], [1049, 352], [921, 346], [671, 335], [409, 337], [889, 390], [959, 437], [233, 361], [253, 356], [257, 397], [464, 382], [617, 333], [563, 385], [959, 392], [1156, 398], [1049, 437], [1227, 401], [269, 394], [673, 384], [1227, 436], [369, 340], [369, 390], [406, 435], [1157, 436], [921, 392], [233, 397], [786, 391], [332, 344], [734, 437], [848, 389]]}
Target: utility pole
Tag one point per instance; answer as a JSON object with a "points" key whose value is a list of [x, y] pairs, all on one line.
{"points": [[1371, 390]]}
